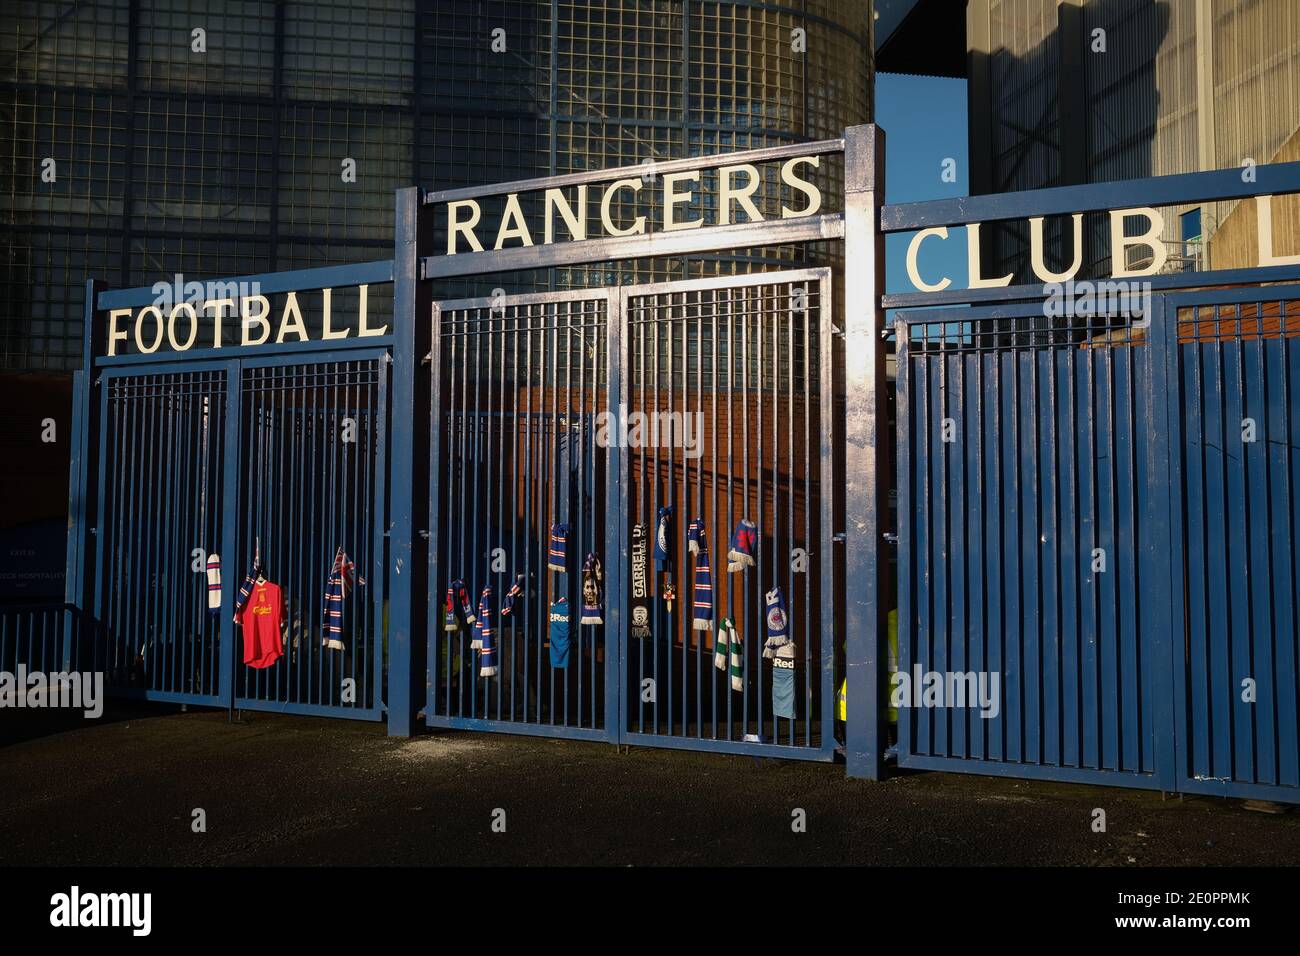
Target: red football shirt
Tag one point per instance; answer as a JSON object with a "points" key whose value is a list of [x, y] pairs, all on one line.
{"points": [[260, 621]]}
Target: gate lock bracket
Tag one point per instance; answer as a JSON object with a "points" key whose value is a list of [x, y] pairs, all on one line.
{"points": [[891, 537]]}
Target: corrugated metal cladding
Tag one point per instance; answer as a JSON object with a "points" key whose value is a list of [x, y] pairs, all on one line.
{"points": [[227, 162], [1183, 85]]}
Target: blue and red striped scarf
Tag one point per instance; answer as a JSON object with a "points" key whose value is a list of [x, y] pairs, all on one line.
{"points": [[702, 610], [485, 641], [457, 592], [340, 583], [557, 558]]}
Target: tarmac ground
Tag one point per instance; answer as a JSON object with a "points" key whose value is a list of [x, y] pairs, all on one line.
{"points": [[275, 789]]}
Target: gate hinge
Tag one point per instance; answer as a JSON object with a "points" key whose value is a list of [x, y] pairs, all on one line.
{"points": [[891, 537], [424, 535], [838, 537]]}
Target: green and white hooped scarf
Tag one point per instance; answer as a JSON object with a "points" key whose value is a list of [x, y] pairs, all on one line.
{"points": [[728, 654]]}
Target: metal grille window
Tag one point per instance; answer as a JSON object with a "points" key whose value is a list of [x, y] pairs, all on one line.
{"points": [[199, 165], [161, 258], [467, 75], [239, 36], [617, 60], [42, 293], [80, 44], [353, 51], [314, 200], [83, 133], [208, 143]]}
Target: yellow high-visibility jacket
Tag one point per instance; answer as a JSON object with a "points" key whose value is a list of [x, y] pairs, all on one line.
{"points": [[891, 662]]}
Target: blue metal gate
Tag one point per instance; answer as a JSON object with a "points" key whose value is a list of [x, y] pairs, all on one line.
{"points": [[743, 366], [187, 460], [528, 401], [310, 473], [1234, 427], [1026, 501], [232, 458], [517, 387], [161, 497], [1104, 514]]}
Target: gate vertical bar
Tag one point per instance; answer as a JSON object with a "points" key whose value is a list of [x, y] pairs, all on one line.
{"points": [[82, 471], [865, 448], [230, 509], [1163, 555], [409, 590], [617, 501]]}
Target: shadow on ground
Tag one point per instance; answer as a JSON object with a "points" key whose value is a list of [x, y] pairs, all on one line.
{"points": [[292, 790]]}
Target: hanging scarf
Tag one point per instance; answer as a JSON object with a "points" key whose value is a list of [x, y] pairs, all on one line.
{"points": [[484, 637], [727, 653], [336, 589], [778, 623], [476, 632], [457, 592], [695, 542], [557, 559], [214, 583], [664, 538], [514, 597], [703, 604], [591, 597], [640, 584], [743, 542], [246, 588], [449, 622]]}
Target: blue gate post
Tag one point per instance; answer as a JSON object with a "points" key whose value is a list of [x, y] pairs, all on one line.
{"points": [[408, 564], [80, 476], [866, 451]]}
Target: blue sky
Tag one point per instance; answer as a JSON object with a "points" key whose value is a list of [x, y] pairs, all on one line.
{"points": [[924, 118]]}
